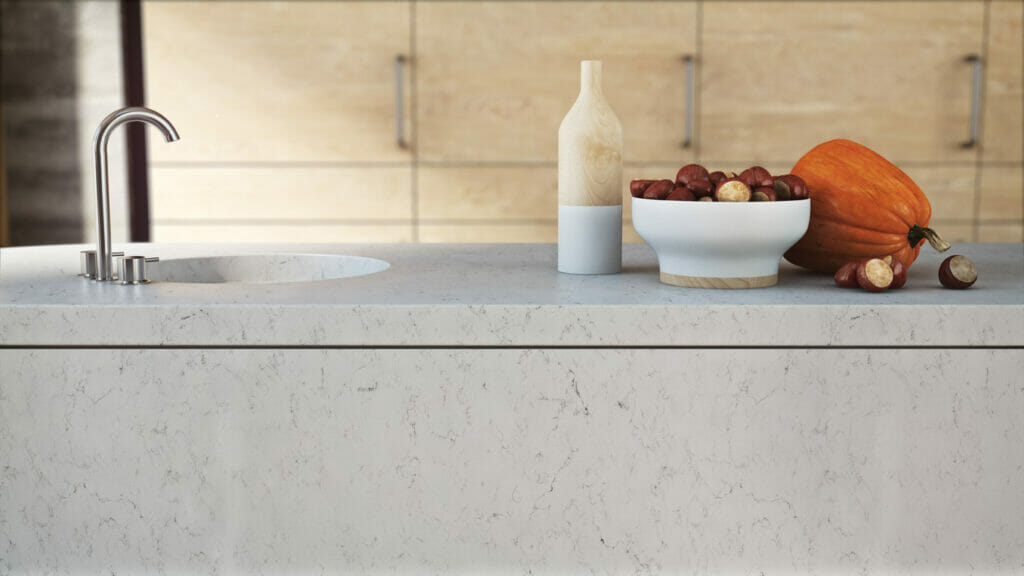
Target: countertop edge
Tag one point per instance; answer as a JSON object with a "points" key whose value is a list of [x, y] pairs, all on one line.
{"points": [[513, 325]]}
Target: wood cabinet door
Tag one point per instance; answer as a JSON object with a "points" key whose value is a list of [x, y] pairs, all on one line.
{"points": [[277, 81], [777, 78], [495, 79], [1003, 123]]}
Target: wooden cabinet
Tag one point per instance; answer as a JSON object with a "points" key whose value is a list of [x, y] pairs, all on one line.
{"points": [[287, 110], [1003, 128], [288, 117], [284, 202], [487, 203], [778, 78], [495, 79], [276, 81], [1001, 206], [951, 192]]}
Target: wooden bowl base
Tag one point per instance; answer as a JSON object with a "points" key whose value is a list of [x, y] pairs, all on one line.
{"points": [[721, 283]]}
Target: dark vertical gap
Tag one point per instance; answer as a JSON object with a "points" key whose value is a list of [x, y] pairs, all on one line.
{"points": [[413, 64], [978, 165], [135, 133], [5, 236]]}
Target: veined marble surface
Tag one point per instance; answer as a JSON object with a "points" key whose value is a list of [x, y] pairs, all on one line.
{"points": [[561, 462], [500, 295]]}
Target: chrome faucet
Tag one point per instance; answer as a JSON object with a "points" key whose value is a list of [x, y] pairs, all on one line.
{"points": [[104, 258]]}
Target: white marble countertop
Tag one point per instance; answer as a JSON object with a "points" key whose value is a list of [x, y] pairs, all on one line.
{"points": [[499, 295]]}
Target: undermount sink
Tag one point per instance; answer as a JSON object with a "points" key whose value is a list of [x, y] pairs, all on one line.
{"points": [[264, 268]]}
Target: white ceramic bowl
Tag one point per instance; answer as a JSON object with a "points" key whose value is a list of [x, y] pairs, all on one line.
{"points": [[720, 244]]}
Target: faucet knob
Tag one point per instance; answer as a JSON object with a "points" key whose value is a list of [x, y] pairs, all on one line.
{"points": [[132, 269], [88, 269]]}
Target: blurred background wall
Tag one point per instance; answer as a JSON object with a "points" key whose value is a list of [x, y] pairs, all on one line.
{"points": [[60, 75], [40, 122], [428, 121]]}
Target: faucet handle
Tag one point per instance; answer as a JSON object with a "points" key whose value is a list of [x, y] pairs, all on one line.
{"points": [[132, 270], [88, 257]]}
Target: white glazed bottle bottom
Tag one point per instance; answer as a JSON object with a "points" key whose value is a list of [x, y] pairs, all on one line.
{"points": [[590, 239]]}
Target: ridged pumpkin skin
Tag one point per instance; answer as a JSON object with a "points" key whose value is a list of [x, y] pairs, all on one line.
{"points": [[862, 206]]}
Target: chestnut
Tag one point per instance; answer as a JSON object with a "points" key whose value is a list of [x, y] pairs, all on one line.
{"points": [[756, 177], [957, 272], [846, 276], [701, 188], [732, 190], [781, 188], [899, 273], [797, 186], [874, 275], [716, 177], [659, 190], [638, 187], [681, 193], [763, 194], [691, 172], [705, 199]]}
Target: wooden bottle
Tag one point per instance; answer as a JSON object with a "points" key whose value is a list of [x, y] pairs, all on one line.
{"points": [[590, 181]]}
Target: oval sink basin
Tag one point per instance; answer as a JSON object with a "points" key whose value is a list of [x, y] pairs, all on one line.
{"points": [[264, 268]]}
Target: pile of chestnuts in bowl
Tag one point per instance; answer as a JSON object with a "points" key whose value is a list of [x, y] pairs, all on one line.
{"points": [[693, 183]]}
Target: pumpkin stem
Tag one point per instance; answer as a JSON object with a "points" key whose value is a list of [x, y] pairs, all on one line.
{"points": [[918, 232]]}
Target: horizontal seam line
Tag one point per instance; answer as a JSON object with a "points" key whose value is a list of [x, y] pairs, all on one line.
{"points": [[358, 222], [510, 163], [492, 347]]}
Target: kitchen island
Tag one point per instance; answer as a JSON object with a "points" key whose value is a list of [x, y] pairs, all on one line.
{"points": [[471, 410]]}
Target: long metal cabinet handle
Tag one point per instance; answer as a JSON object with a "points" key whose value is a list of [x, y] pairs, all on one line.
{"points": [[975, 61], [400, 102], [688, 136]]}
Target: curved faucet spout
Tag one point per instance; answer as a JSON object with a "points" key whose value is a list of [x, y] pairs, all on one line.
{"points": [[104, 259]]}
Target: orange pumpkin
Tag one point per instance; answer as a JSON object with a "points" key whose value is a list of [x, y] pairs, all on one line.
{"points": [[862, 206]]}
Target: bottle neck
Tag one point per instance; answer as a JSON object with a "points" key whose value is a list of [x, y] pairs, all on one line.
{"points": [[590, 79]]}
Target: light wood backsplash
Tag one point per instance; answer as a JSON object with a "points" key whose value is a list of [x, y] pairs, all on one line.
{"points": [[276, 81], [1002, 200], [287, 109], [780, 77], [1003, 136], [496, 78]]}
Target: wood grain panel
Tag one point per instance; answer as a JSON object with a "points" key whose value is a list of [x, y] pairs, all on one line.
{"points": [[309, 233], [1003, 132], [1002, 193], [990, 232], [545, 232], [719, 283], [950, 189], [522, 203], [495, 79], [499, 193], [953, 231], [276, 81], [780, 77], [281, 193], [629, 235]]}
